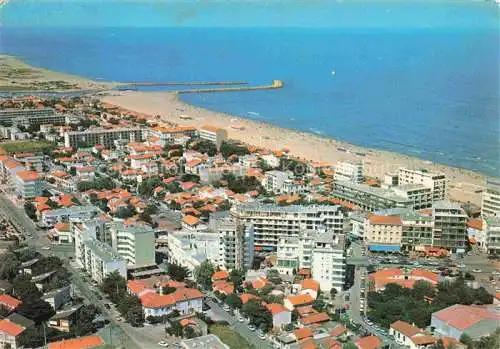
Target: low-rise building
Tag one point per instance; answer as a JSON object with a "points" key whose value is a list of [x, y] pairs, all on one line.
{"points": [[281, 315], [68, 214], [191, 249], [472, 320], [411, 336], [209, 341], [274, 181], [10, 335], [98, 259], [383, 233], [58, 297], [86, 342]]}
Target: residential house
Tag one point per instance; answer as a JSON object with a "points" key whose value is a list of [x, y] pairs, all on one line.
{"points": [[410, 336]]}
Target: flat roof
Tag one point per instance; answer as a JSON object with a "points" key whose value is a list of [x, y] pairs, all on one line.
{"points": [[209, 341]]}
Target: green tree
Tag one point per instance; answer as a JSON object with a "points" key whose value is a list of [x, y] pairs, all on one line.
{"points": [[83, 324], [9, 266], [189, 332], [115, 286], [237, 276], [24, 289], [177, 272], [422, 289], [37, 310], [233, 301], [131, 309], [30, 210], [349, 345], [125, 212], [203, 274], [258, 314]]}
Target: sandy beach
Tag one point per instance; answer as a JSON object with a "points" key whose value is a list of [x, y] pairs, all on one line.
{"points": [[464, 186], [16, 75]]}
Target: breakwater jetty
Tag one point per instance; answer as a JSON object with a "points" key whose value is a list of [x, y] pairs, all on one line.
{"points": [[135, 85], [275, 84]]}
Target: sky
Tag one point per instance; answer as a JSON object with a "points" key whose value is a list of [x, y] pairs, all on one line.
{"points": [[250, 13]]}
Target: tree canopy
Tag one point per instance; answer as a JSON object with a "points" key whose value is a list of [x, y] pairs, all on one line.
{"points": [[177, 272], [203, 274]]}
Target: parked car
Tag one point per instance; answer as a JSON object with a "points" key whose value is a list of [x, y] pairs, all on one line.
{"points": [[251, 327], [226, 307], [163, 344]]}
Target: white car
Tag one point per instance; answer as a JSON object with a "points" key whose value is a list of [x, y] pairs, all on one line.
{"points": [[225, 307], [261, 335], [46, 248], [241, 319], [251, 327], [163, 344], [476, 270]]}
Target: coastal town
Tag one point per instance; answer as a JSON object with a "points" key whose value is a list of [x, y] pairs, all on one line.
{"points": [[126, 229]]}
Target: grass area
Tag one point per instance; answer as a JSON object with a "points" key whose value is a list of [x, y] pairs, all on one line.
{"points": [[229, 337], [25, 146]]}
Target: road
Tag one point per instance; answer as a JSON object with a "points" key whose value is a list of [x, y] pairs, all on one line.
{"points": [[239, 327], [129, 338]]}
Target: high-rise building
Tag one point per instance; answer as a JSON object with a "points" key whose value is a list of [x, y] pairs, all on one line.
{"points": [[235, 242], [491, 226], [450, 225], [28, 184], [491, 199], [271, 221], [349, 171], [135, 243], [329, 260], [435, 181]]}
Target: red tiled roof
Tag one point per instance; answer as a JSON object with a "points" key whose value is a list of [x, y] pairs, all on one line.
{"points": [[10, 328], [152, 300], [300, 299], [386, 220], [337, 331], [190, 220], [464, 316], [184, 294], [220, 275], [136, 286], [28, 176], [308, 343], [276, 308], [369, 342], [245, 297], [223, 287], [475, 223], [87, 342], [302, 333], [310, 284], [9, 301], [405, 328], [314, 318]]}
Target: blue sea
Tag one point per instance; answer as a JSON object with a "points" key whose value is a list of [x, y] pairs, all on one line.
{"points": [[419, 78]]}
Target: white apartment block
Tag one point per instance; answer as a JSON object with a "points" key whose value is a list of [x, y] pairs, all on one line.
{"points": [[169, 135], [293, 187], [213, 134], [99, 259], [135, 243], [96, 229], [236, 242], [491, 199], [28, 184], [271, 221], [491, 226], [350, 171], [214, 174], [435, 181], [7, 116], [274, 181], [191, 249], [69, 214], [329, 260], [105, 137], [419, 195], [417, 230]]}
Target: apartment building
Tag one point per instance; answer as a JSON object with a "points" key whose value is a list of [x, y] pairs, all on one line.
{"points": [[417, 230], [383, 233], [274, 181], [369, 198], [135, 243], [491, 226], [271, 221], [105, 137], [329, 260], [28, 184], [35, 121], [491, 199], [349, 171], [236, 242], [99, 259], [191, 249], [95, 229], [450, 226], [213, 134], [170, 135], [68, 214], [435, 181], [210, 175], [419, 195], [7, 116]]}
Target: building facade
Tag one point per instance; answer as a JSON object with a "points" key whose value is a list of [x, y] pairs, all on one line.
{"points": [[329, 261], [450, 226], [7, 116], [135, 243], [349, 171], [271, 221], [28, 184], [491, 228], [435, 181], [105, 137], [213, 134], [491, 199], [99, 259]]}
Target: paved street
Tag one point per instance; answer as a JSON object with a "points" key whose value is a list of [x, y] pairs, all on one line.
{"points": [[239, 327]]}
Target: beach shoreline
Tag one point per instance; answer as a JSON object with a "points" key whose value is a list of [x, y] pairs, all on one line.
{"points": [[465, 185]]}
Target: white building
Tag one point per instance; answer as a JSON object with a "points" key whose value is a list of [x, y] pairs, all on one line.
{"points": [[169, 135], [435, 181], [28, 184], [450, 226], [235, 242], [213, 134], [105, 137], [491, 226], [69, 214], [191, 249], [491, 199], [410, 336], [135, 243], [329, 261], [271, 221], [350, 171], [419, 195], [99, 259], [383, 233], [211, 175], [274, 180]]}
